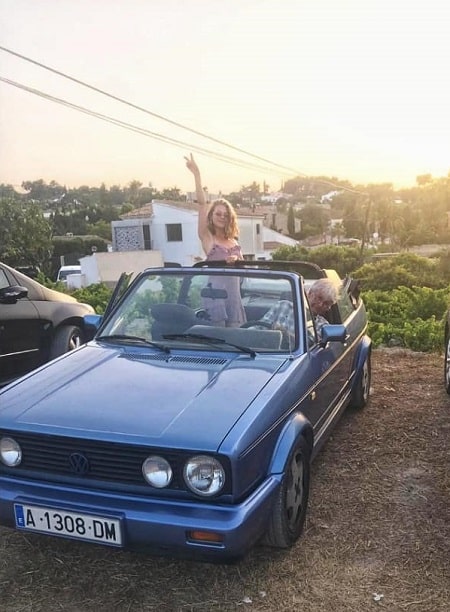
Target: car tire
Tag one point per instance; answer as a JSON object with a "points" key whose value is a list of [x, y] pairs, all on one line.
{"points": [[447, 363], [66, 339], [360, 394], [289, 511]]}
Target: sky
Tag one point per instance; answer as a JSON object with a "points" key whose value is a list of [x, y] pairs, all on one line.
{"points": [[352, 89]]}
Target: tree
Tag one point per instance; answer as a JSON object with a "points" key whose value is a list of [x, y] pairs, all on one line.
{"points": [[337, 231], [314, 220], [39, 191], [291, 221], [25, 235], [8, 191], [132, 192], [353, 218], [250, 193], [171, 193]]}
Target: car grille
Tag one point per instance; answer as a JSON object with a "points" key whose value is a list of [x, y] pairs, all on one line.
{"points": [[91, 463]]}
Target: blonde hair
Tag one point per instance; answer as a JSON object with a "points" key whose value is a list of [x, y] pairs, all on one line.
{"points": [[231, 227]]}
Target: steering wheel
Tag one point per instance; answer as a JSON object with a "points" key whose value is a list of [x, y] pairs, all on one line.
{"points": [[258, 324], [202, 314]]}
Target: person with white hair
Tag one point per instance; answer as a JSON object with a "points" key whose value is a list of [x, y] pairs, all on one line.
{"points": [[322, 294]]}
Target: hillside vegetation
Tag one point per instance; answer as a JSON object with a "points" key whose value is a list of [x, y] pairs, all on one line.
{"points": [[406, 295]]}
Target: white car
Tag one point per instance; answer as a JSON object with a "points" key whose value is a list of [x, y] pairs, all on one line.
{"points": [[64, 272]]}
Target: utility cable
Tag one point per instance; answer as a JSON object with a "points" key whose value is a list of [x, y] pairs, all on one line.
{"points": [[286, 169], [144, 110], [143, 131]]}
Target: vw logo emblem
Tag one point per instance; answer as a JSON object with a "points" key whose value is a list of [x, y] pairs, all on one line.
{"points": [[79, 463]]}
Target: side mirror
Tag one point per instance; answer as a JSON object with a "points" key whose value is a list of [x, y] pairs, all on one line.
{"points": [[91, 324], [10, 295], [333, 333]]}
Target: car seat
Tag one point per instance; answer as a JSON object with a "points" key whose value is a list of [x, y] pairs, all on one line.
{"points": [[171, 319]]}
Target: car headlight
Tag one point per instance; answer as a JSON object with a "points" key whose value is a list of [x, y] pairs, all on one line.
{"points": [[157, 471], [10, 452], [204, 475]]}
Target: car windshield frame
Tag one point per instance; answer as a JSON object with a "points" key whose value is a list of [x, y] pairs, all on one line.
{"points": [[178, 302]]}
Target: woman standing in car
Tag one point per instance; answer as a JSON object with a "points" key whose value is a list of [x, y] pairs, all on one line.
{"points": [[218, 230]]}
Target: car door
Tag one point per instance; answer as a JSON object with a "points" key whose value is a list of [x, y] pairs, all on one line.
{"points": [[330, 367], [353, 315], [337, 359], [20, 333]]}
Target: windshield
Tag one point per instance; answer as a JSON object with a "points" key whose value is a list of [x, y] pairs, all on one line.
{"points": [[209, 310]]}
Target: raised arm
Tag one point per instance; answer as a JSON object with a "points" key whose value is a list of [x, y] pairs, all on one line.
{"points": [[204, 234]]}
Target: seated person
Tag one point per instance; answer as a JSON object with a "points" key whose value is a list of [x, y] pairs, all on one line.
{"points": [[281, 316], [321, 297]]}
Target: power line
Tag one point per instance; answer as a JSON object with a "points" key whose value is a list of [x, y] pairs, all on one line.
{"points": [[143, 131], [286, 169], [144, 110]]}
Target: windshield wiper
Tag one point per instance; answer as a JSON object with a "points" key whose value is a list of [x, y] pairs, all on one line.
{"points": [[209, 340], [134, 339]]}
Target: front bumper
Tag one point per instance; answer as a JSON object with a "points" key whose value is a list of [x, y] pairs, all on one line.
{"points": [[154, 525]]}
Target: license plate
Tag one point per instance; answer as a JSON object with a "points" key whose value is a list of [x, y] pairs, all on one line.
{"points": [[69, 524]]}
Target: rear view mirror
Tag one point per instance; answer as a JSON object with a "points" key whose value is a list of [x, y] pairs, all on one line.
{"points": [[214, 294]]}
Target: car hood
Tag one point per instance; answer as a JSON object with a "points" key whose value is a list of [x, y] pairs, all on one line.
{"points": [[141, 397]]}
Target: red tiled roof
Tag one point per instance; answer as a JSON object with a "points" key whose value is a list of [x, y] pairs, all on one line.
{"points": [[144, 212]]}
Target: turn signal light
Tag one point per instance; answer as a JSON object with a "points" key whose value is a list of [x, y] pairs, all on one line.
{"points": [[205, 536]]}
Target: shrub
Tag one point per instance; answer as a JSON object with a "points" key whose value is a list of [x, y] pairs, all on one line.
{"points": [[97, 296], [340, 258], [405, 269], [417, 335], [407, 317]]}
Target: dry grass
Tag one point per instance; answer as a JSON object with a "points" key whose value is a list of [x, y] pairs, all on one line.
{"points": [[377, 532]]}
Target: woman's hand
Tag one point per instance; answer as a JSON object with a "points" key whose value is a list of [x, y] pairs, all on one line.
{"points": [[192, 165]]}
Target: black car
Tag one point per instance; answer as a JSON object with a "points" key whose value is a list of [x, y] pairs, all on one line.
{"points": [[36, 323]]}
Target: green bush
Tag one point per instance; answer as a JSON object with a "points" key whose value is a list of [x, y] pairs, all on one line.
{"points": [[97, 296], [404, 269], [340, 258], [417, 335], [404, 303], [407, 317]]}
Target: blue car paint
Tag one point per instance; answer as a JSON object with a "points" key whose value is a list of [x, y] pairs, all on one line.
{"points": [[133, 412], [158, 525], [250, 409]]}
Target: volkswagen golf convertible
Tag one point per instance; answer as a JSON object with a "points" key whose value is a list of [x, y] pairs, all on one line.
{"points": [[169, 433]]}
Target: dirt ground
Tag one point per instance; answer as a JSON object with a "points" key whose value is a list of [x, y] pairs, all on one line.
{"points": [[377, 534]]}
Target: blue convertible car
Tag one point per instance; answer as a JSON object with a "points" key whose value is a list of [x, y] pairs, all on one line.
{"points": [[168, 433]]}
